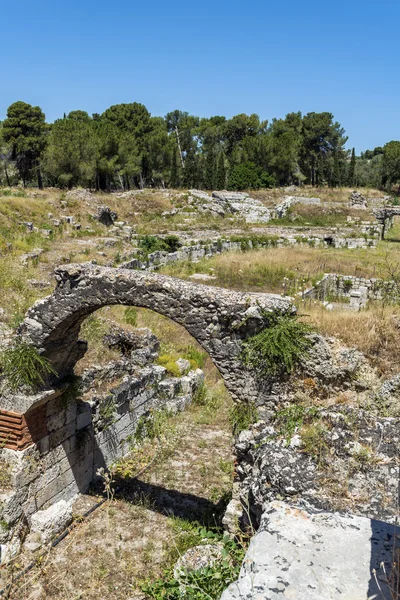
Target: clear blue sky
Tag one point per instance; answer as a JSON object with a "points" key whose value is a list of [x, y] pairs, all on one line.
{"points": [[209, 57]]}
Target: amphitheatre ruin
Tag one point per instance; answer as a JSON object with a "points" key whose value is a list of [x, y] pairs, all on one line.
{"points": [[200, 370]]}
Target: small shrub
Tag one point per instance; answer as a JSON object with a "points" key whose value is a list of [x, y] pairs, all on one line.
{"points": [[172, 242], [131, 316], [73, 390], [279, 347], [306, 420], [151, 243], [107, 410], [313, 441], [205, 583], [23, 366], [289, 419], [200, 397], [241, 416], [197, 357], [169, 362]]}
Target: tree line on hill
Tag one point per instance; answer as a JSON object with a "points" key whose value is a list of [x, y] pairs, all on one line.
{"points": [[125, 147]]}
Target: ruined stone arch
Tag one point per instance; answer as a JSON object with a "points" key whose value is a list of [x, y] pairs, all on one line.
{"points": [[217, 318]]}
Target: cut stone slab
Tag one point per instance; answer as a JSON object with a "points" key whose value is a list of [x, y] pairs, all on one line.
{"points": [[304, 556], [51, 521], [202, 276]]}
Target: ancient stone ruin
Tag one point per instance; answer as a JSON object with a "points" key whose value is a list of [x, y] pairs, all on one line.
{"points": [[55, 440]]}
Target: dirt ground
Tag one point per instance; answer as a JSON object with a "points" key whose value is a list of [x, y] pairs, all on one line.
{"points": [[143, 530]]}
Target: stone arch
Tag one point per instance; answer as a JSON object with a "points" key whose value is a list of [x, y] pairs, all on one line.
{"points": [[219, 319]]}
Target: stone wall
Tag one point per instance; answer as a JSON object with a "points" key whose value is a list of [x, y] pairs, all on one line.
{"points": [[79, 435], [358, 290], [198, 251], [219, 319]]}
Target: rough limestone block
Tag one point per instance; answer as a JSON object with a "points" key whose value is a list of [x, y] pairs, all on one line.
{"points": [[307, 556], [52, 521], [9, 551]]}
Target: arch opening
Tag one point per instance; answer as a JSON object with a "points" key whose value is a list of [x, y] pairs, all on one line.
{"points": [[218, 319]]}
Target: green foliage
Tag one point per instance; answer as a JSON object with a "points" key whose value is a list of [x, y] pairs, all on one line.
{"points": [[150, 426], [279, 346], [23, 366], [313, 441], [10, 193], [152, 243], [292, 418], [125, 147], [73, 390], [131, 316], [197, 357], [220, 177], [289, 419], [200, 397], [107, 410], [205, 583], [391, 164], [248, 176], [168, 361], [25, 130], [241, 416], [352, 169]]}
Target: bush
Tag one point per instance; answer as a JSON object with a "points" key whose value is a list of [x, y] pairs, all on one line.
{"points": [[24, 366], [248, 176], [169, 362], [171, 242], [196, 357], [151, 243], [279, 347]]}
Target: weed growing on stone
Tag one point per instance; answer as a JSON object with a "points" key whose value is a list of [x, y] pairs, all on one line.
{"points": [[279, 347], [107, 411], [169, 362], [313, 441], [241, 416], [290, 419], [196, 357], [24, 366]]}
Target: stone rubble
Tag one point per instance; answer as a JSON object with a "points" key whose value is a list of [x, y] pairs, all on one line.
{"points": [[357, 200], [231, 203], [283, 208]]}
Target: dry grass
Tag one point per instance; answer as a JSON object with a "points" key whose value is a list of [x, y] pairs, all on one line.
{"points": [[264, 270], [144, 531], [374, 331], [341, 195]]}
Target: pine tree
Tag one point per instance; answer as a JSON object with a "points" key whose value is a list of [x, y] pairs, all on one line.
{"points": [[352, 168], [220, 179]]}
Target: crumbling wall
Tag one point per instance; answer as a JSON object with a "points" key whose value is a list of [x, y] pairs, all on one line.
{"points": [[81, 432]]}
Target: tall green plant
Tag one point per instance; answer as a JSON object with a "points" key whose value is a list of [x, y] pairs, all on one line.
{"points": [[23, 366], [279, 347]]}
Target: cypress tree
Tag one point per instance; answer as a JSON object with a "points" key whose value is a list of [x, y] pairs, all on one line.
{"points": [[352, 168], [210, 171], [190, 172], [175, 182], [220, 178]]}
